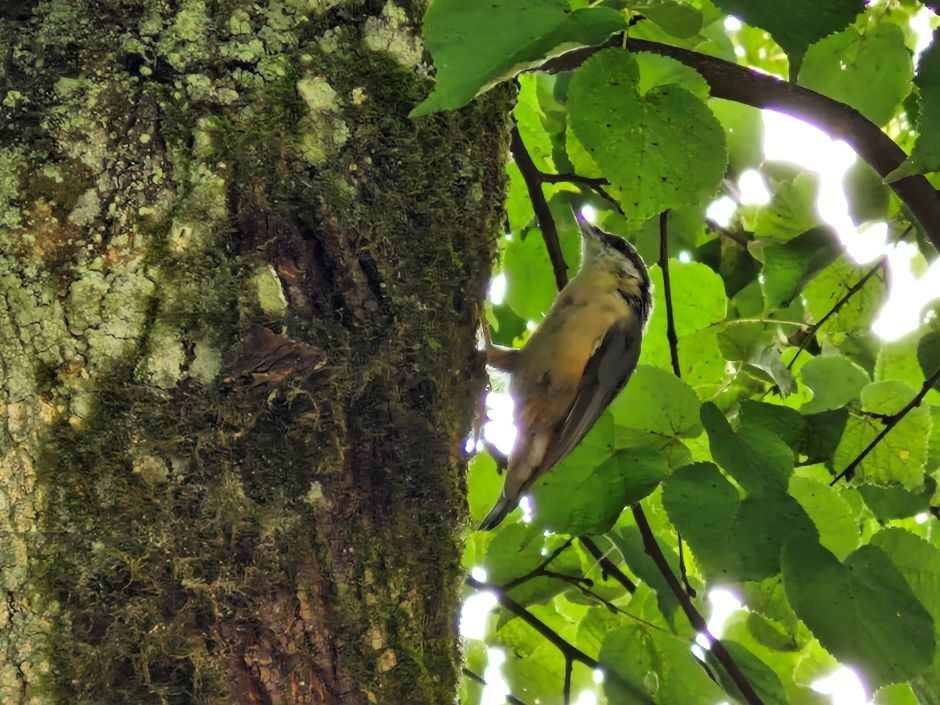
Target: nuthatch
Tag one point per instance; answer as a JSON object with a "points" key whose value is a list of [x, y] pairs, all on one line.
{"points": [[575, 362]]}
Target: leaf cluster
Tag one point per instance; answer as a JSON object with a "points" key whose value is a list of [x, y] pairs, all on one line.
{"points": [[769, 443]]}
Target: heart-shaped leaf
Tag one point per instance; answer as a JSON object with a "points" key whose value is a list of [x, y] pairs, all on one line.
{"points": [[642, 141]]}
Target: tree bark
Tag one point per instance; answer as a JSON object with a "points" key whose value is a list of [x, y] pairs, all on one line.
{"points": [[239, 289]]}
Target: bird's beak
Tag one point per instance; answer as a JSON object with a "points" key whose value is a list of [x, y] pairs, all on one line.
{"points": [[587, 228]]}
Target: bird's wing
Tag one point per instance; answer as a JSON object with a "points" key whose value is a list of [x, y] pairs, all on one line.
{"points": [[605, 374]]}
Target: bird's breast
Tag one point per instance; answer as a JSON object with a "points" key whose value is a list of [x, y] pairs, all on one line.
{"points": [[559, 350]]}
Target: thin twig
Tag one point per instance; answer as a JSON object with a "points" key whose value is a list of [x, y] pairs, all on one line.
{"points": [[569, 651], [854, 289], [539, 570], [725, 232], [589, 181], [667, 293], [763, 321], [543, 214], [697, 621], [673, 340], [607, 566], [744, 85], [566, 690], [510, 698], [602, 192], [596, 184], [890, 423]]}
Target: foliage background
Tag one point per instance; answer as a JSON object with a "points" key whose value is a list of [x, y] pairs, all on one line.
{"points": [[794, 450]]}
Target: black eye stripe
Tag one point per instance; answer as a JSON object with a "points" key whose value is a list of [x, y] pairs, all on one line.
{"points": [[627, 250], [618, 244]]}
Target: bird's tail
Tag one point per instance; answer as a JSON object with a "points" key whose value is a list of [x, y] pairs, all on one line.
{"points": [[500, 511]]}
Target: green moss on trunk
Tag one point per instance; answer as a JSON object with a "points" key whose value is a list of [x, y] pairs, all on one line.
{"points": [[239, 293]]}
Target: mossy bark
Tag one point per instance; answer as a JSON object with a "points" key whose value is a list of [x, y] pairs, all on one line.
{"points": [[238, 295]]}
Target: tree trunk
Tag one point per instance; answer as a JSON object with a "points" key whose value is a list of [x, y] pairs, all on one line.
{"points": [[239, 290]]}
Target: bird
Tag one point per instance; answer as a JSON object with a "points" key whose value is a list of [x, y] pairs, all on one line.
{"points": [[576, 362]]}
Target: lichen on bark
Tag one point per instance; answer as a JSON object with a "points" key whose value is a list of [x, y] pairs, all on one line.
{"points": [[238, 296]]}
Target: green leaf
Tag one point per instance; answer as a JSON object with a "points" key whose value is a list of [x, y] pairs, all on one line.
{"points": [[656, 70], [856, 314], [790, 266], [533, 121], [648, 665], [477, 45], [835, 381], [832, 515], [792, 209], [928, 354], [744, 132], [769, 599], [483, 485], [511, 554], [700, 361], [761, 677], [698, 300], [530, 284], [589, 489], [519, 210], [870, 72], [898, 361], [896, 502], [919, 563], [782, 421], [898, 694], [732, 539], [862, 611], [474, 658], [768, 633], [925, 157], [628, 540], [677, 18], [535, 668], [640, 141], [755, 344], [822, 434], [866, 192], [803, 23], [656, 401], [900, 456], [754, 456]]}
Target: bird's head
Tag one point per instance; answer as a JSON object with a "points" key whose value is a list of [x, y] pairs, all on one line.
{"points": [[610, 252]]}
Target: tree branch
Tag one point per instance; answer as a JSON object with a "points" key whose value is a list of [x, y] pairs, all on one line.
{"points": [[596, 184], [671, 336], [539, 570], [673, 340], [744, 85], [569, 651], [543, 214], [854, 289], [607, 566], [566, 690], [588, 181], [698, 622], [725, 232], [890, 423]]}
